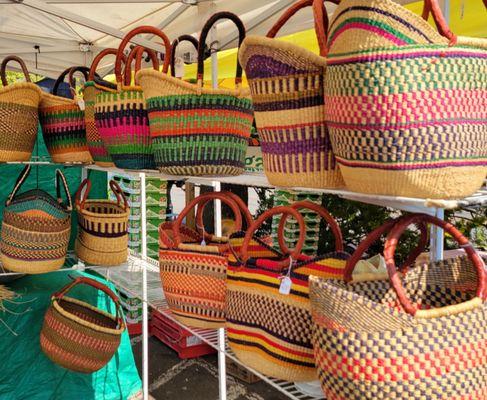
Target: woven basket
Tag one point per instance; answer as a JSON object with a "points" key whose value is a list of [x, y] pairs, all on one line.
{"points": [[35, 228], [372, 342], [193, 267], [174, 45], [287, 86], [18, 115], [78, 336], [121, 115], [405, 105], [102, 227], [63, 123], [198, 130]]}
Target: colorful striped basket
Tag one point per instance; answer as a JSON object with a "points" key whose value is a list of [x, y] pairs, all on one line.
{"points": [[174, 45], [102, 227], [19, 104], [63, 123], [35, 229], [416, 336], [193, 266], [405, 105], [78, 336], [121, 114], [268, 308], [198, 130], [287, 86]]}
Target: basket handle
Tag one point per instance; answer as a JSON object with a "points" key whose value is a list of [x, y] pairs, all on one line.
{"points": [[395, 277], [70, 72], [80, 198], [198, 201], [323, 213], [136, 54], [18, 183], [433, 7], [202, 42], [182, 38], [100, 56], [119, 193], [3, 68], [60, 177], [126, 40], [374, 236]]}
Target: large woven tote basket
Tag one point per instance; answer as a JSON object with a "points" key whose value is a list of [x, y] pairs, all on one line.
{"points": [[63, 123], [287, 86], [121, 114], [35, 228], [198, 130], [102, 227], [193, 266], [19, 104], [406, 105], [419, 335], [77, 335]]}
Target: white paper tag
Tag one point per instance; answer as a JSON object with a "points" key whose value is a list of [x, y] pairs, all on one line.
{"points": [[286, 284], [81, 103], [179, 67]]}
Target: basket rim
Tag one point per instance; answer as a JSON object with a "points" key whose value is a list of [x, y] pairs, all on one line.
{"points": [[49, 100], [87, 213], [42, 233], [22, 85]]}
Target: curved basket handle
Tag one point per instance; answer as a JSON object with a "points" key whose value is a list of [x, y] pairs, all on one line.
{"points": [[394, 276], [80, 197], [137, 54], [126, 40], [18, 183], [323, 213], [202, 43], [3, 68], [182, 38], [119, 193], [100, 56], [60, 177], [69, 72], [432, 6], [374, 236]]}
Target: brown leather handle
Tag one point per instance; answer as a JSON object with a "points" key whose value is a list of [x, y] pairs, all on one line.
{"points": [[70, 72], [126, 40], [202, 43], [323, 213], [182, 38], [100, 56], [3, 68], [117, 190], [60, 178], [433, 7], [390, 248], [80, 198], [137, 54], [374, 236]]}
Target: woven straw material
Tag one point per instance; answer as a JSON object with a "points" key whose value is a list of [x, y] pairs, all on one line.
{"points": [[63, 127], [79, 337], [196, 131], [367, 347], [95, 144], [407, 112], [121, 120], [287, 86], [18, 121]]}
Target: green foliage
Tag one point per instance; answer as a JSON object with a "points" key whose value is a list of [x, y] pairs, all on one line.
{"points": [[473, 223], [13, 77]]}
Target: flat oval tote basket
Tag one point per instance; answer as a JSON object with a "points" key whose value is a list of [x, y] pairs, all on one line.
{"points": [[420, 335], [198, 130], [102, 227], [405, 104], [36, 228], [19, 119], [287, 86], [77, 335], [63, 124]]}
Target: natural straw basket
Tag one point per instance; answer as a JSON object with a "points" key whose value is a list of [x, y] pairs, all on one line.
{"points": [[121, 115], [102, 227], [198, 130], [405, 105], [287, 86], [77, 335], [63, 123], [19, 104], [35, 228], [372, 343], [174, 45]]}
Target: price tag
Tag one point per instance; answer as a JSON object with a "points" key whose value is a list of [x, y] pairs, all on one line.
{"points": [[81, 103], [286, 282]]}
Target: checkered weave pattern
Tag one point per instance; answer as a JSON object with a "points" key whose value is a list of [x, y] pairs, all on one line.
{"points": [[366, 347], [404, 107]]}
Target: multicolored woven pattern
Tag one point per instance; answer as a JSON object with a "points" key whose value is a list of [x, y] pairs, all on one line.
{"points": [[404, 108]]}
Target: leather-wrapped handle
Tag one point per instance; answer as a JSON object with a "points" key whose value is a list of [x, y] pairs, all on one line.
{"points": [[182, 38], [3, 68], [100, 56], [18, 183], [117, 190], [70, 72], [433, 7], [137, 54], [61, 179]]}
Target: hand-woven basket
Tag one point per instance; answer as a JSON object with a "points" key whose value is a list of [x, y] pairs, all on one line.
{"points": [[198, 130], [19, 104], [405, 104], [35, 229], [193, 266], [63, 124], [102, 227], [78, 336], [287, 86], [417, 336], [121, 114]]}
